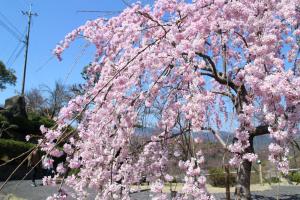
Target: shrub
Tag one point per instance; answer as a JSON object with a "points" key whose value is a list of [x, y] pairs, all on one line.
{"points": [[294, 177], [37, 120], [21, 126], [3, 123], [273, 180], [12, 148], [2, 118], [21, 122], [217, 177]]}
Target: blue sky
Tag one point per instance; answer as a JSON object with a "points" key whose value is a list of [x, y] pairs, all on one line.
{"points": [[55, 19]]}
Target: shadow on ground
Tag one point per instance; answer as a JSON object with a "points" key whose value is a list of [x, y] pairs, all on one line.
{"points": [[283, 197]]}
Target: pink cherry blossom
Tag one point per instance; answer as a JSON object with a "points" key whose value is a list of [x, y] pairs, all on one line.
{"points": [[183, 66]]}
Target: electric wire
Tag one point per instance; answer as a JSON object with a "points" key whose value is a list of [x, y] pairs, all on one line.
{"points": [[10, 23], [44, 64], [8, 29], [18, 54], [76, 60], [9, 61], [13, 53]]}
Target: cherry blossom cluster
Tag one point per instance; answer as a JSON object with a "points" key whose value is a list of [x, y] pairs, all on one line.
{"points": [[195, 179], [192, 61]]}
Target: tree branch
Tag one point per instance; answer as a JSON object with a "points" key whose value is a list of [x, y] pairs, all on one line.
{"points": [[211, 62], [218, 76], [260, 130], [218, 137]]}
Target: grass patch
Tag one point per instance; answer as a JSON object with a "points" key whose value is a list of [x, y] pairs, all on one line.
{"points": [[294, 177]]}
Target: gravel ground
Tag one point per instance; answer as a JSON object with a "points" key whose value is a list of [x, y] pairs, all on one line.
{"points": [[26, 191]]}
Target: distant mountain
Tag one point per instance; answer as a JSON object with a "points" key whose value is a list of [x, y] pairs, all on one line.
{"points": [[260, 142]]}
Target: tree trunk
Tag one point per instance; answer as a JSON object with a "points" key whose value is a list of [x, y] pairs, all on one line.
{"points": [[242, 189]]}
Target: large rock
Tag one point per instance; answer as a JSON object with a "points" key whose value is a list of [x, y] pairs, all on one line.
{"points": [[16, 106]]}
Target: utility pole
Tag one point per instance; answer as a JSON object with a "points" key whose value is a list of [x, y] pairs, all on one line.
{"points": [[29, 14]]}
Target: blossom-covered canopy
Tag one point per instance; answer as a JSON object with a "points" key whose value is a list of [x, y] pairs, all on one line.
{"points": [[187, 58]]}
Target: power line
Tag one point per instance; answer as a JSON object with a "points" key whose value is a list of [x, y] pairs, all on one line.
{"points": [[44, 64], [103, 13], [76, 60], [13, 53], [98, 11], [11, 24], [8, 63], [8, 29], [126, 3], [17, 55]]}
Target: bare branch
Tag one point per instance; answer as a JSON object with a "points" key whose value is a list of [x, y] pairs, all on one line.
{"points": [[217, 136]]}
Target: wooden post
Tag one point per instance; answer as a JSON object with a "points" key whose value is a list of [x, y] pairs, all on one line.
{"points": [[260, 174], [227, 181]]}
